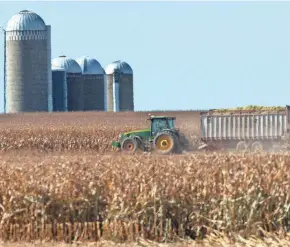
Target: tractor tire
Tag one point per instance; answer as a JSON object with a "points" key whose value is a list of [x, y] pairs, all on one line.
{"points": [[140, 144], [129, 145], [165, 143]]}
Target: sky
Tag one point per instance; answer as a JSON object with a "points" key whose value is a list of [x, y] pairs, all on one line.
{"points": [[184, 55]]}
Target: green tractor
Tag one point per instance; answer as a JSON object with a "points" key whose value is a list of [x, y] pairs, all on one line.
{"points": [[162, 136]]}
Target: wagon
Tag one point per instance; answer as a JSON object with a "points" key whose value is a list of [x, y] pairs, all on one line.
{"points": [[244, 130]]}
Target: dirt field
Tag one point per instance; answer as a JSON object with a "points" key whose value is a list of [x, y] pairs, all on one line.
{"points": [[58, 170]]}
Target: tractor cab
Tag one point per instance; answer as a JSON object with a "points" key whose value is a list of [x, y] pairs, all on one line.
{"points": [[160, 123]]}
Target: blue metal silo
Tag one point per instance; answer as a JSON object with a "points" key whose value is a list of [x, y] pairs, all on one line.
{"points": [[75, 92]]}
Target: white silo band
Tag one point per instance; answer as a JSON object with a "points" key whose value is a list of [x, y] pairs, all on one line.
{"points": [[116, 96], [105, 93]]}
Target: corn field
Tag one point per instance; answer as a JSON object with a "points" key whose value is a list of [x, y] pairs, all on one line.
{"points": [[121, 198], [61, 181], [77, 131]]}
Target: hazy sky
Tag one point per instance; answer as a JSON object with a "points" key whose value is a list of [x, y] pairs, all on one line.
{"points": [[188, 55]]}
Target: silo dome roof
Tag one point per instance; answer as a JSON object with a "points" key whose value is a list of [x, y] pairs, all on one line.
{"points": [[70, 65], [90, 66], [25, 21], [122, 66], [53, 68]]}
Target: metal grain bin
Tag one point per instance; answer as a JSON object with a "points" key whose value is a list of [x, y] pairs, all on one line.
{"points": [[119, 87], [59, 90], [27, 63], [94, 85], [75, 93]]}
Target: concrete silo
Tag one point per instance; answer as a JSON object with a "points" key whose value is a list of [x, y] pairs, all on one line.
{"points": [[94, 84], [119, 87], [59, 89], [27, 63], [74, 79]]}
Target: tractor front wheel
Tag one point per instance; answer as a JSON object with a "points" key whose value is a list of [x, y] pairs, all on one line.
{"points": [[129, 145], [164, 143]]}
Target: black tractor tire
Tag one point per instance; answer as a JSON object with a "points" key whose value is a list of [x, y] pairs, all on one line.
{"points": [[140, 144], [129, 145], [165, 143]]}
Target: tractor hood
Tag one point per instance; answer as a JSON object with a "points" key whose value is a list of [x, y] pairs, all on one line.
{"points": [[141, 133]]}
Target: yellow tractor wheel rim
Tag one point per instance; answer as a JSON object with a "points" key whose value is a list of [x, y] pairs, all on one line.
{"points": [[164, 143]]}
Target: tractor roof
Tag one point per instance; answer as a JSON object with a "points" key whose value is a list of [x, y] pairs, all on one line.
{"points": [[161, 117]]}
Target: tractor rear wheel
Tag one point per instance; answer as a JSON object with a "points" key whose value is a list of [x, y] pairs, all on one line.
{"points": [[129, 145], [165, 143]]}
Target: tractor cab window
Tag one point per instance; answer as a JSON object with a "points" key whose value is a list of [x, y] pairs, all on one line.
{"points": [[171, 123], [158, 125]]}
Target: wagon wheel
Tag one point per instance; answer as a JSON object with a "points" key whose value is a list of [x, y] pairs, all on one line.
{"points": [[242, 146], [257, 146]]}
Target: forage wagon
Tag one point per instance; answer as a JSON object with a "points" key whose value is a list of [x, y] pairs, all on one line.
{"points": [[246, 130]]}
